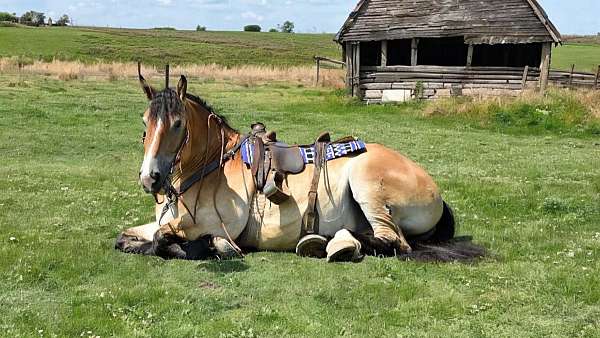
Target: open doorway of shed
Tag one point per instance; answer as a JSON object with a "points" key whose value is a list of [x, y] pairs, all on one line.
{"points": [[370, 53], [398, 52], [507, 55], [443, 51]]}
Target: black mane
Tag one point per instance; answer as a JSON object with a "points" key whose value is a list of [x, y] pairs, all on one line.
{"points": [[167, 102]]}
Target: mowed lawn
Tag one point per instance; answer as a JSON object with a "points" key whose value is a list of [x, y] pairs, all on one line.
{"points": [[226, 48], [70, 154]]}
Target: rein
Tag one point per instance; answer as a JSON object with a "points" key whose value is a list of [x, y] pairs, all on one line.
{"points": [[173, 194]]}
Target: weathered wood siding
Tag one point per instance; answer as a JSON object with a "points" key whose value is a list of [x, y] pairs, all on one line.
{"points": [[439, 81], [479, 21]]}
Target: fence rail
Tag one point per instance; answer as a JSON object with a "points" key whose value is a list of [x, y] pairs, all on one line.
{"points": [[513, 78]]}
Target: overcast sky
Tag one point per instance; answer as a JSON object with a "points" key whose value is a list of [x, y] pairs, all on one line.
{"points": [[571, 17]]}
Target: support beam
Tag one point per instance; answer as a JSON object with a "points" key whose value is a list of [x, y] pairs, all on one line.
{"points": [[545, 65], [349, 67], [414, 55], [470, 55], [356, 71], [384, 53]]}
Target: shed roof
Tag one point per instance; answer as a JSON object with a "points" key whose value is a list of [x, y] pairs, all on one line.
{"points": [[479, 21]]}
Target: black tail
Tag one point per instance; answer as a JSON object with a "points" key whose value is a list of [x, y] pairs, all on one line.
{"points": [[442, 246]]}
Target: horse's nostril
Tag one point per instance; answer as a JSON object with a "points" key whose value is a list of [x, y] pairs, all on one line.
{"points": [[155, 175]]}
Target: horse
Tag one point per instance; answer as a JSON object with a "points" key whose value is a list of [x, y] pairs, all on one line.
{"points": [[374, 202]]}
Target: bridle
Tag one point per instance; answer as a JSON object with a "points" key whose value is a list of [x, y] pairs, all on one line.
{"points": [[173, 195]]}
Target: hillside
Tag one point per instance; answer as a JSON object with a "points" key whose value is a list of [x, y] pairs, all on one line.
{"points": [[160, 46], [224, 48]]}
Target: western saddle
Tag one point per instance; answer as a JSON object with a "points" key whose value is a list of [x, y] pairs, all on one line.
{"points": [[274, 160]]}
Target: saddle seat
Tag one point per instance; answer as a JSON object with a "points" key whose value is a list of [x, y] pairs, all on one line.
{"points": [[274, 160]]}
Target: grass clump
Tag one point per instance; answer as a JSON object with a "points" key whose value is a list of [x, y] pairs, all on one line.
{"points": [[560, 110]]}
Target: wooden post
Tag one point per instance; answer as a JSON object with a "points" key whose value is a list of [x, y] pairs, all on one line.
{"points": [[571, 75], [384, 53], [414, 55], [597, 78], [524, 81], [356, 75], [349, 68], [545, 65], [470, 55], [318, 69]]}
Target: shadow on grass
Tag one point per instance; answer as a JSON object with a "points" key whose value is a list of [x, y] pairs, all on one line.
{"points": [[224, 266]]}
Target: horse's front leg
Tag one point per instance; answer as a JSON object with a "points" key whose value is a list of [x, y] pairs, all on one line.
{"points": [[137, 240], [169, 243]]}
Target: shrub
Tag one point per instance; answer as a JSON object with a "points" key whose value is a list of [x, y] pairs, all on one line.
{"points": [[200, 28], [252, 28], [33, 18], [164, 28], [63, 21], [7, 17], [273, 30], [287, 27]]}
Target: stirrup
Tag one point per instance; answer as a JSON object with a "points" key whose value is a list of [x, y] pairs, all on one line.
{"points": [[312, 246]]}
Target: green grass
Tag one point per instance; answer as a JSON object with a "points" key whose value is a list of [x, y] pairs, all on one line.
{"points": [[70, 154], [226, 48], [160, 46], [585, 57]]}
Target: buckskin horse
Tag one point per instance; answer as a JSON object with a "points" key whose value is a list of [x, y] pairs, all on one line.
{"points": [[209, 201]]}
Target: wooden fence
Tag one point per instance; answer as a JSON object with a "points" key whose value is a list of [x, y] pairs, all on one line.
{"points": [[511, 78]]}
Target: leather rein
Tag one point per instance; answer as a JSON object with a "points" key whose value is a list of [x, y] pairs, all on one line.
{"points": [[172, 194]]}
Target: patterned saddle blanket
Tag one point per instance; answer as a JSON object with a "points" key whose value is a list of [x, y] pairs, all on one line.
{"points": [[334, 150]]}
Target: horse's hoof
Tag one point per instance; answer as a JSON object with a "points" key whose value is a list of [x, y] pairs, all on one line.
{"points": [[312, 246], [224, 249], [344, 248]]}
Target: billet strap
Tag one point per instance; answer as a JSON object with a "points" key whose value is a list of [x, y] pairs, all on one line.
{"points": [[310, 221], [258, 163]]}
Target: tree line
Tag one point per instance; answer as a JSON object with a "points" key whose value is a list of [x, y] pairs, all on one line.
{"points": [[286, 27], [33, 18]]}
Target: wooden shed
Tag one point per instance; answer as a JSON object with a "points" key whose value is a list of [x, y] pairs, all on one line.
{"points": [[396, 49]]}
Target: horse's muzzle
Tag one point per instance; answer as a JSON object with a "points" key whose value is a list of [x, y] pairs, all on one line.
{"points": [[151, 183]]}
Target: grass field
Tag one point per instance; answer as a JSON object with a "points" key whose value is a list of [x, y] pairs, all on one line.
{"points": [[159, 46], [70, 153], [225, 48]]}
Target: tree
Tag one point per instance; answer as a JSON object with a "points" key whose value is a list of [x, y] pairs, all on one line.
{"points": [[252, 28], [273, 30], [33, 18], [286, 27], [8, 17], [63, 21], [200, 28]]}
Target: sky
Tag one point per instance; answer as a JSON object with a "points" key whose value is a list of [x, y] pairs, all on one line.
{"points": [[309, 16]]}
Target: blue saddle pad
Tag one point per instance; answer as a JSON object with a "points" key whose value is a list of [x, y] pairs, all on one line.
{"points": [[334, 150]]}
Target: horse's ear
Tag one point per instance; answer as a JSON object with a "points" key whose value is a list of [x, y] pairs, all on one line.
{"points": [[148, 90], [182, 88]]}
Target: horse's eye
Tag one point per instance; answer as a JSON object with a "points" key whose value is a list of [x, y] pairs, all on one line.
{"points": [[177, 124]]}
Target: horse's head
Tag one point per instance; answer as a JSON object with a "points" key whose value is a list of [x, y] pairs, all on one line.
{"points": [[165, 134]]}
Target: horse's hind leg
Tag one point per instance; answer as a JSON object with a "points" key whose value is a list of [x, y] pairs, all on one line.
{"points": [[387, 238]]}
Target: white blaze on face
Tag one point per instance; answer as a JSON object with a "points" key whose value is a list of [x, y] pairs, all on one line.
{"points": [[150, 162]]}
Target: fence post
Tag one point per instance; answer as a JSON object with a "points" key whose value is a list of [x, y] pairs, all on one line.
{"points": [[597, 78], [318, 68], [525, 74], [571, 75]]}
